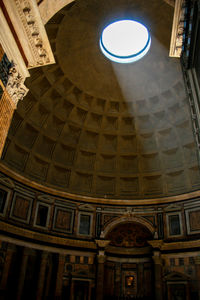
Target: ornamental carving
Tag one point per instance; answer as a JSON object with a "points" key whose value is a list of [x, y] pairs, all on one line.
{"points": [[31, 32], [177, 29], [129, 235], [15, 86]]}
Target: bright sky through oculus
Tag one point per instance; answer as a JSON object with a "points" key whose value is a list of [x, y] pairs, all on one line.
{"points": [[125, 41]]}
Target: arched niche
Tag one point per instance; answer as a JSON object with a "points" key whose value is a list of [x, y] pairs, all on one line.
{"points": [[128, 219]]}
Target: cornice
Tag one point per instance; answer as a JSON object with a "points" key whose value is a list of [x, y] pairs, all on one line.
{"points": [[45, 238], [101, 201], [178, 245]]}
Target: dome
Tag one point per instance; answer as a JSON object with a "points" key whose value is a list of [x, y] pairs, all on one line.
{"points": [[95, 129]]}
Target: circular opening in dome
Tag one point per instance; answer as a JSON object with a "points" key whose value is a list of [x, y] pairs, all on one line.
{"points": [[125, 41]]}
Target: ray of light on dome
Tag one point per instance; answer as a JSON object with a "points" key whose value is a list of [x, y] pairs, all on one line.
{"points": [[125, 41]]}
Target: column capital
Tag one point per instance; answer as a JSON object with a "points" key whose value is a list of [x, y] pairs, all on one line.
{"points": [[156, 244], [15, 86], [102, 243]]}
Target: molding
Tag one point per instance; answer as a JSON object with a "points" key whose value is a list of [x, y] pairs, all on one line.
{"points": [[26, 19], [44, 238], [111, 250], [177, 29], [175, 245]]}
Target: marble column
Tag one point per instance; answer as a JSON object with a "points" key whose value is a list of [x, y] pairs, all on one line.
{"points": [[22, 273], [72, 290], [48, 280], [90, 290], [158, 275], [118, 273], [59, 277], [197, 267], [141, 291], [7, 108], [41, 277], [6, 268], [100, 277], [102, 244]]}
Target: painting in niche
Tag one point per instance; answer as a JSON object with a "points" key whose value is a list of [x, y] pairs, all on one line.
{"points": [[84, 227], [130, 280], [174, 225]]}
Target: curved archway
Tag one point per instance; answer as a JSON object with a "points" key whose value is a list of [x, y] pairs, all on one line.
{"points": [[128, 219], [49, 8]]}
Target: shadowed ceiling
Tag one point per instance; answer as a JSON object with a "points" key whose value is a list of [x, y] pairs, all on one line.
{"points": [[92, 127]]}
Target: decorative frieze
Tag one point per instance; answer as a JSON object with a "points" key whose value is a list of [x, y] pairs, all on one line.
{"points": [[177, 29]]}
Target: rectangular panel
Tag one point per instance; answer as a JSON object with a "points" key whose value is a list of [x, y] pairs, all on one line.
{"points": [[21, 208], [63, 219], [193, 220]]}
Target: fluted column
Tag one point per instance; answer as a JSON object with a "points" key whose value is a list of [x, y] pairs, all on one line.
{"points": [[100, 268], [7, 108], [72, 290], [48, 280], [197, 266], [158, 275], [117, 291], [22, 273], [90, 290], [59, 277], [41, 277], [100, 277], [6, 268]]}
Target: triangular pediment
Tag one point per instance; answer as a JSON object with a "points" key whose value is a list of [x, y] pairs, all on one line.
{"points": [[7, 181], [86, 207], [45, 198], [172, 207], [175, 276]]}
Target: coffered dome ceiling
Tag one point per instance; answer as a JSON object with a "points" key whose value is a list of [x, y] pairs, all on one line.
{"points": [[92, 127]]}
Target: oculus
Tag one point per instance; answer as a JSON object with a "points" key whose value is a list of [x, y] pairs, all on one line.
{"points": [[125, 41]]}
